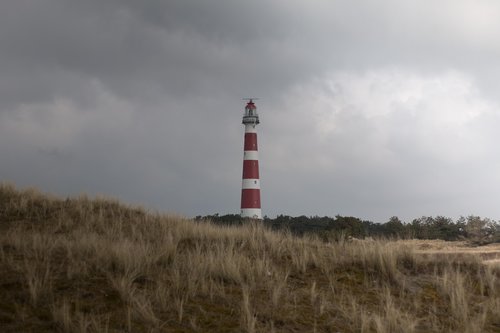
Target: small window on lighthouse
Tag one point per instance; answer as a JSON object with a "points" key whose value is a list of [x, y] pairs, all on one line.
{"points": [[255, 182]]}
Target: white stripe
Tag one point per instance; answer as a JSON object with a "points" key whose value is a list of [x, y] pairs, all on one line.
{"points": [[251, 155], [249, 128], [251, 184], [255, 213]]}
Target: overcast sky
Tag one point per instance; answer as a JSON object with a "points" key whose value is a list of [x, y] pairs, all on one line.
{"points": [[368, 108]]}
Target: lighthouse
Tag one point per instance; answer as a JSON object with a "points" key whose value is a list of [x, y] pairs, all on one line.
{"points": [[250, 189]]}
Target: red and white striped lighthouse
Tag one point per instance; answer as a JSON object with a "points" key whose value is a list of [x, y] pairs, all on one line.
{"points": [[250, 189]]}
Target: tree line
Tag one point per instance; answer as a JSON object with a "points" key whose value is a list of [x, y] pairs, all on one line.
{"points": [[474, 228]]}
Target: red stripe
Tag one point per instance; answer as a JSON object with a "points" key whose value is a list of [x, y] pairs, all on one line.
{"points": [[250, 198], [250, 141], [250, 169]]}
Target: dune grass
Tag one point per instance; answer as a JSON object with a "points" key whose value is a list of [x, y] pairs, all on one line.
{"points": [[95, 265]]}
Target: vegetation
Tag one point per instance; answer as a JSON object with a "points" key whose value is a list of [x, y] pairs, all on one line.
{"points": [[474, 228], [95, 265]]}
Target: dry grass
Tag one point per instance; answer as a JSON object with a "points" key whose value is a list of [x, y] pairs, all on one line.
{"points": [[82, 265]]}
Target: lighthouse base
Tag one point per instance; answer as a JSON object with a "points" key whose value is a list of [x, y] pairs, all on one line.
{"points": [[253, 213]]}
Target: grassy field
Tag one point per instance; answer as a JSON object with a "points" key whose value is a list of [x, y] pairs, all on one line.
{"points": [[95, 265]]}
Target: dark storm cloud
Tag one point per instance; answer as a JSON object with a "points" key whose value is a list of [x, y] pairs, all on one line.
{"points": [[370, 109], [168, 47]]}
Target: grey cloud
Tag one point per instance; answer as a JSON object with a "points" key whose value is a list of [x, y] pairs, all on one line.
{"points": [[142, 100]]}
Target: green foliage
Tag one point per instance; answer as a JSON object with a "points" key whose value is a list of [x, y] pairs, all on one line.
{"points": [[480, 230], [394, 227], [439, 227], [476, 229]]}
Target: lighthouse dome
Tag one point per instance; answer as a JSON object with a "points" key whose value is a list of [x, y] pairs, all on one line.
{"points": [[250, 105]]}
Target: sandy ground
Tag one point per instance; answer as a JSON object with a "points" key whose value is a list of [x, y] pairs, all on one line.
{"points": [[490, 254]]}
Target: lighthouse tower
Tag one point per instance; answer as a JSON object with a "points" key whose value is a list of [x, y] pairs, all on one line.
{"points": [[250, 189]]}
